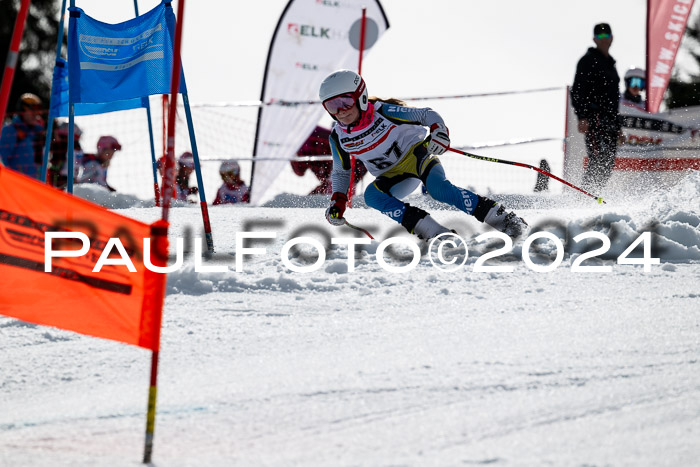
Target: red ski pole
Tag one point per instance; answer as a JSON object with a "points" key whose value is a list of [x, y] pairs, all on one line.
{"points": [[364, 231], [527, 166]]}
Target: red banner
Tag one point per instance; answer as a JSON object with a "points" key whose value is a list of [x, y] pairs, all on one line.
{"points": [[666, 22], [119, 302]]}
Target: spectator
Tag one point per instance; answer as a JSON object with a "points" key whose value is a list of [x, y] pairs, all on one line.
{"points": [[185, 166], [233, 190], [635, 83], [317, 145], [22, 139], [58, 168], [595, 96], [95, 165], [160, 164]]}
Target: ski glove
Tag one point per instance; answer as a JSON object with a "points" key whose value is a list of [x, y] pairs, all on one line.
{"points": [[334, 213], [439, 139]]}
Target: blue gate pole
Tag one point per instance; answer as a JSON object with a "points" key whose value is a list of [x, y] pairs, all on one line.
{"points": [[147, 102], [50, 117], [198, 172], [70, 159], [154, 163]]}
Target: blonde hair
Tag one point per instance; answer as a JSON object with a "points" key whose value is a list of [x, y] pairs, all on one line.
{"points": [[390, 100]]}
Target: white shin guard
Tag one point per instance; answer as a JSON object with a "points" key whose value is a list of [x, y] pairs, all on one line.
{"points": [[427, 228]]}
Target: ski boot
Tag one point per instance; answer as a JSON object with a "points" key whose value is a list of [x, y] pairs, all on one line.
{"points": [[494, 214], [422, 224]]}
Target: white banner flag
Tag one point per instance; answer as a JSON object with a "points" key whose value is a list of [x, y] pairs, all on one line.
{"points": [[313, 38]]}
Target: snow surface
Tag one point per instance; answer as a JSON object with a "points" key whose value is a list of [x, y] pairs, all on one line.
{"points": [[272, 367]]}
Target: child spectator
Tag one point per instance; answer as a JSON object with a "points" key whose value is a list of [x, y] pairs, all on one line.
{"points": [[58, 168], [233, 190], [635, 84], [95, 165], [185, 167], [317, 145], [182, 180]]}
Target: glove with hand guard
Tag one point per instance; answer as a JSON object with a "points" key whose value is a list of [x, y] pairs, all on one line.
{"points": [[334, 213], [439, 139]]}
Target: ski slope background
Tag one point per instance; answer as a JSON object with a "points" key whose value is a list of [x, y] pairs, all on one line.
{"points": [[266, 366]]}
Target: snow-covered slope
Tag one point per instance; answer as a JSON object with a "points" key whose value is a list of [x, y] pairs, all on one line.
{"points": [[266, 366]]}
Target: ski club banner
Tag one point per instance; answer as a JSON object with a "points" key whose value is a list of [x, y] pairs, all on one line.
{"points": [[659, 145], [123, 301], [121, 61], [666, 23], [313, 38], [59, 97]]}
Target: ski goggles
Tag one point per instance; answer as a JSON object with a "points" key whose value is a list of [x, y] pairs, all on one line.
{"points": [[637, 83], [603, 36], [338, 103]]}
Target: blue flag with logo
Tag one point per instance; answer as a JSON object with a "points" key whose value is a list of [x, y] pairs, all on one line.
{"points": [[59, 97], [114, 62]]}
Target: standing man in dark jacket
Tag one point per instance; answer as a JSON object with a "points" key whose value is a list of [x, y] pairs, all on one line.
{"points": [[595, 97]]}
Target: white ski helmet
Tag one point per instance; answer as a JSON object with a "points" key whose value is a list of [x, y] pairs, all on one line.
{"points": [[345, 82], [186, 160], [230, 166], [635, 72]]}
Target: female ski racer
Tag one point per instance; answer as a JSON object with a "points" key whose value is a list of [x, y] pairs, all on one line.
{"points": [[390, 140]]}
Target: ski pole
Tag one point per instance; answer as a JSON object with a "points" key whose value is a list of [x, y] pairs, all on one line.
{"points": [[520, 164], [359, 228]]}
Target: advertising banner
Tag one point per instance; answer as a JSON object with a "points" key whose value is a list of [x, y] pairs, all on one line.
{"points": [[313, 38], [113, 303], [122, 61], [666, 21], [656, 146]]}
